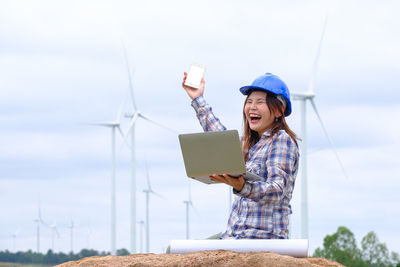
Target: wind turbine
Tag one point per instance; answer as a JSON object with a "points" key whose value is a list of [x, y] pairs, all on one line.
{"points": [[54, 232], [148, 191], [71, 227], [188, 203], [133, 118], [303, 98], [113, 124], [14, 236], [39, 221]]}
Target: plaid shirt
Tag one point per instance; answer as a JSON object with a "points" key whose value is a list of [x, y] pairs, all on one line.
{"points": [[261, 209]]}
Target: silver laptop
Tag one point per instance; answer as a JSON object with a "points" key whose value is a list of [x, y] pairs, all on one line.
{"points": [[214, 152]]}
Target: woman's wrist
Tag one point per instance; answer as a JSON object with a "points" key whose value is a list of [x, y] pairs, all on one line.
{"points": [[239, 186]]}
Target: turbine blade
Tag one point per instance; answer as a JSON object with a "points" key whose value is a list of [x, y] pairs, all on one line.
{"points": [[329, 138], [120, 131], [44, 223], [190, 194], [160, 196], [129, 75], [194, 209], [57, 233], [309, 152], [73, 224], [120, 108], [39, 219], [156, 123], [54, 229], [316, 60], [190, 199], [131, 123], [104, 123], [124, 139], [122, 135]]}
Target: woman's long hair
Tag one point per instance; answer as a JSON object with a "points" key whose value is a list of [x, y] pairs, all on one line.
{"points": [[250, 137]]}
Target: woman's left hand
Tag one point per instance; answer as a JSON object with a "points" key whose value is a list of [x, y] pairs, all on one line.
{"points": [[235, 182]]}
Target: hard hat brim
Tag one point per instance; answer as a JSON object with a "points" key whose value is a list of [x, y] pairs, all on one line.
{"points": [[245, 90]]}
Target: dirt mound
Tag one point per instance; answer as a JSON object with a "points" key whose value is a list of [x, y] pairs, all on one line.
{"points": [[203, 258]]}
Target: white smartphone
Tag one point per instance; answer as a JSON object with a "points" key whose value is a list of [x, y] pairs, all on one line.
{"points": [[194, 76]]}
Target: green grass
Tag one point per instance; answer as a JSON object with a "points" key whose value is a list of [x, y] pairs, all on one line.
{"points": [[14, 264]]}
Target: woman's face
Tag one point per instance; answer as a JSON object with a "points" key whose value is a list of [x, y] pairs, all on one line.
{"points": [[257, 112]]}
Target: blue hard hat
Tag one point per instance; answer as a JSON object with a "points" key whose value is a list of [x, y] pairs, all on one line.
{"points": [[273, 84]]}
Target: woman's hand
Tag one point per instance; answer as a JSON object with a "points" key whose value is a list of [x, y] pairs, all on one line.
{"points": [[236, 183], [193, 92]]}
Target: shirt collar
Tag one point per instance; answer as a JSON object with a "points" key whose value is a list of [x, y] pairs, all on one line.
{"points": [[266, 134]]}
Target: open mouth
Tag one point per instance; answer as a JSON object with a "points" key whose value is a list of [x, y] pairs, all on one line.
{"points": [[254, 118]]}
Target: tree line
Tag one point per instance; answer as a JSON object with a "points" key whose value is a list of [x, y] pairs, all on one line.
{"points": [[342, 247], [52, 258]]}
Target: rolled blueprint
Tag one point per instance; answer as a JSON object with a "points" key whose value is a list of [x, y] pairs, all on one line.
{"points": [[290, 247]]}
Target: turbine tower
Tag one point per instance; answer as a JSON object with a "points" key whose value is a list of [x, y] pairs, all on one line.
{"points": [[303, 98], [39, 222], [71, 227], [188, 203], [14, 236], [54, 233], [133, 118], [113, 125], [148, 191]]}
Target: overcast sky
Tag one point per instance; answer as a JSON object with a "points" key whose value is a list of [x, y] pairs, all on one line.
{"points": [[61, 64]]}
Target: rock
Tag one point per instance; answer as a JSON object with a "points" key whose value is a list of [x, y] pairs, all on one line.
{"points": [[203, 258]]}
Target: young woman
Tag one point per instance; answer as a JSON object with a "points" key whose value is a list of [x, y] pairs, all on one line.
{"points": [[261, 208]]}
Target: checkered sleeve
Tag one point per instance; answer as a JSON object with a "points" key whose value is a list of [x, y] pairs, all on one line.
{"points": [[280, 162], [205, 115]]}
